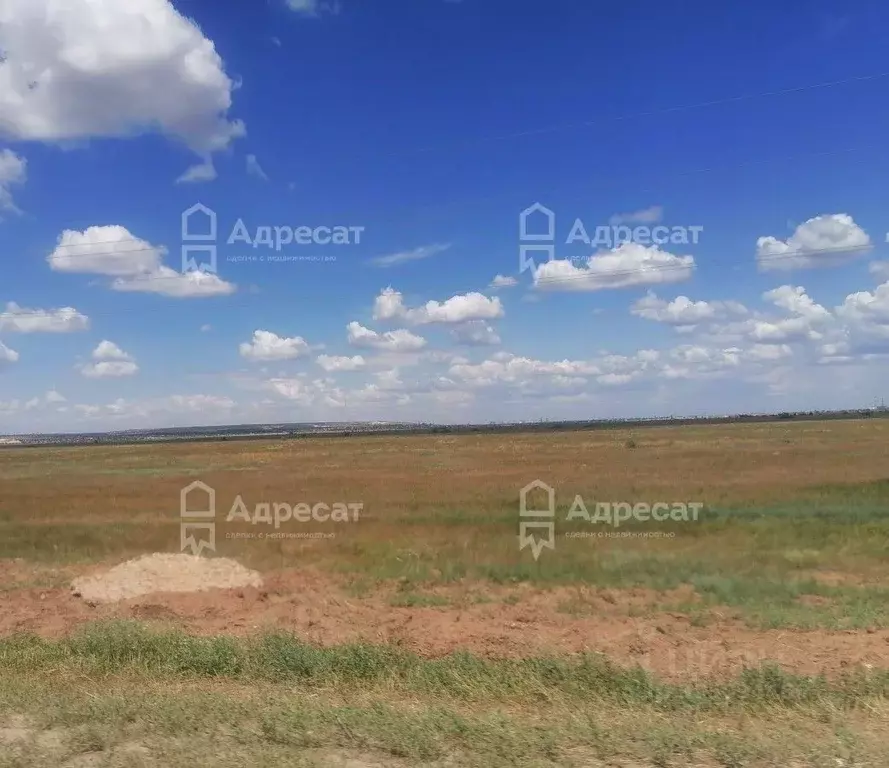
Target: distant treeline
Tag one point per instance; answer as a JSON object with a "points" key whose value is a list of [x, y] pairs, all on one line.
{"points": [[303, 432]]}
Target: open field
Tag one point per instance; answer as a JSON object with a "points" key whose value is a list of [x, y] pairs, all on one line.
{"points": [[756, 635]]}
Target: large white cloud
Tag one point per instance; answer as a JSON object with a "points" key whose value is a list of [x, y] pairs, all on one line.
{"points": [[18, 319], [104, 68], [266, 345], [389, 305], [107, 250], [824, 240], [135, 264], [627, 265], [13, 170]]}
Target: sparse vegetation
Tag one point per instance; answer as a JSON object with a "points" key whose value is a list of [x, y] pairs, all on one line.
{"points": [[794, 537]]}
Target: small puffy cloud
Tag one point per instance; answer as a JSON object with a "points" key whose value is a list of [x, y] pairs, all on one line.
{"points": [[198, 173], [503, 281], [18, 319], [392, 341], [629, 264], [825, 240], [313, 8], [7, 355], [389, 305], [333, 364], [269, 346], [13, 170], [880, 269], [110, 361], [417, 254], [108, 350], [135, 264], [69, 71], [255, 169], [795, 300], [476, 334], [168, 282], [650, 215], [682, 312], [54, 397]]}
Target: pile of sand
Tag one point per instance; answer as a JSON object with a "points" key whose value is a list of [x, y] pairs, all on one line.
{"points": [[164, 573]]}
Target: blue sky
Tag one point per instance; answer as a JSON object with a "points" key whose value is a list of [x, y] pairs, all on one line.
{"points": [[753, 136]]}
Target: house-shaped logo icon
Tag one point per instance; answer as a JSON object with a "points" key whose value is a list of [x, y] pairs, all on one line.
{"points": [[537, 225], [199, 223], [197, 500], [537, 485], [538, 533]]}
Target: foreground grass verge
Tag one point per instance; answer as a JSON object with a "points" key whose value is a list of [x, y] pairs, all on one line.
{"points": [[122, 694]]}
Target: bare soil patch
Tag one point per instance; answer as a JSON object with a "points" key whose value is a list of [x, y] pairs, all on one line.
{"points": [[510, 623]]}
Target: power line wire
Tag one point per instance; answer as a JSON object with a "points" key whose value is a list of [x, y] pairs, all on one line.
{"points": [[652, 112]]}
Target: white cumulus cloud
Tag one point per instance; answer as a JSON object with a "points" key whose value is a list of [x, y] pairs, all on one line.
{"points": [[398, 341], [18, 319], [109, 361], [332, 364], [682, 312], [825, 240], [627, 265], [103, 68], [389, 305], [503, 281], [266, 345], [136, 264]]}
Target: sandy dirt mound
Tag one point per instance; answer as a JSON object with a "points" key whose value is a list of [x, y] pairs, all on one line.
{"points": [[155, 573]]}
